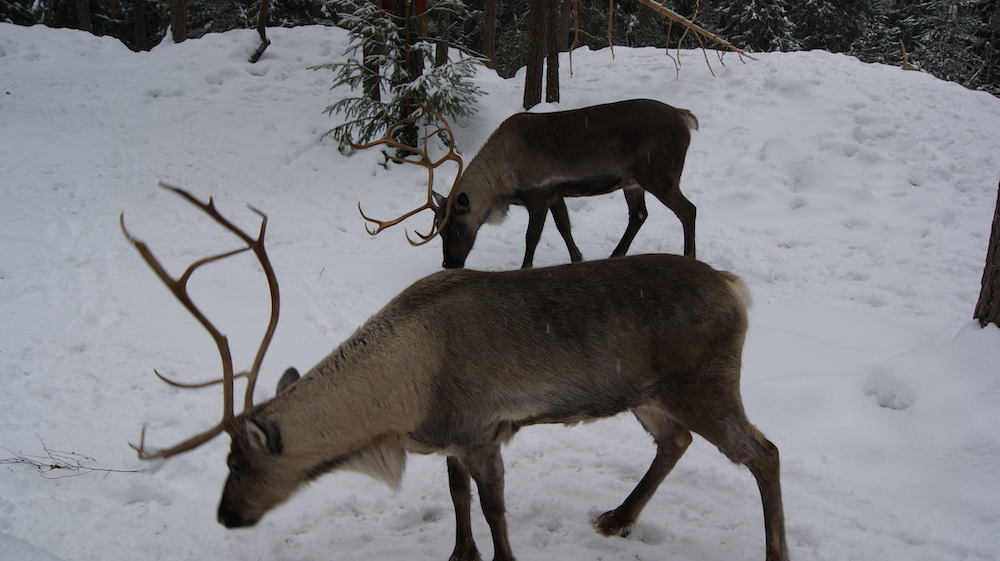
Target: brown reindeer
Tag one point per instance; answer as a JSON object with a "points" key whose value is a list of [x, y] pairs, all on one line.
{"points": [[537, 159], [461, 360]]}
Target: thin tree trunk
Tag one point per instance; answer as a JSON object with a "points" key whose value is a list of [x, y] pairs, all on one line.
{"points": [[565, 19], [536, 53], [178, 21], [552, 25], [413, 63], [444, 36], [83, 15], [490, 33], [988, 307], [139, 25]]}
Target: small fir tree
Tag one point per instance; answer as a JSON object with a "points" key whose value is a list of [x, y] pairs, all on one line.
{"points": [[379, 68]]}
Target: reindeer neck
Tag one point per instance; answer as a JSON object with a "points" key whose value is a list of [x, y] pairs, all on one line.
{"points": [[489, 183], [368, 388]]}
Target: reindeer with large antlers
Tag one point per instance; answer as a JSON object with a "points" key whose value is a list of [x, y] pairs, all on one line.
{"points": [[535, 160], [460, 361]]}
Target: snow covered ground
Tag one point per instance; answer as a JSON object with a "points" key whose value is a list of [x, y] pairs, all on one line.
{"points": [[854, 199]]}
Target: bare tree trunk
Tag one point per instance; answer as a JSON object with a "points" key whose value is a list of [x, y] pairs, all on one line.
{"points": [[444, 36], [552, 25], [536, 53], [83, 15], [565, 19], [414, 64], [988, 307], [178, 20], [490, 33], [139, 25]]}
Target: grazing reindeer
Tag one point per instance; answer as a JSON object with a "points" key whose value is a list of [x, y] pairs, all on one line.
{"points": [[536, 159], [461, 360]]}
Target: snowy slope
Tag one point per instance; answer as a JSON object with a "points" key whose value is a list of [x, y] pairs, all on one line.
{"points": [[854, 199]]}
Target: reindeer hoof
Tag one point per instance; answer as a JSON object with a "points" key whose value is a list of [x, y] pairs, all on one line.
{"points": [[465, 554], [613, 524]]}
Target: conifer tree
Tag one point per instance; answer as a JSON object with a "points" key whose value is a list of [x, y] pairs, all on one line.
{"points": [[379, 67], [942, 36], [758, 25], [879, 38], [831, 25]]}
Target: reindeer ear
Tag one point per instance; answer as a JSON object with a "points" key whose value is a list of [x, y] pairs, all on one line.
{"points": [[439, 199], [262, 436], [461, 203], [287, 379]]}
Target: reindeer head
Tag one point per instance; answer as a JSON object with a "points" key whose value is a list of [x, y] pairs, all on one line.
{"points": [[457, 228], [261, 476]]}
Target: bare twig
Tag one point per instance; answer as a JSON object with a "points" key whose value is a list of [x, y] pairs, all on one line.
{"points": [[56, 464], [700, 33], [986, 62]]}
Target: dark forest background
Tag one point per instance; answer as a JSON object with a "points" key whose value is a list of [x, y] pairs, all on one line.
{"points": [[955, 40]]}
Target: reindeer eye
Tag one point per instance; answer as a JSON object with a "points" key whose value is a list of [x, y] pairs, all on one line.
{"points": [[235, 469]]}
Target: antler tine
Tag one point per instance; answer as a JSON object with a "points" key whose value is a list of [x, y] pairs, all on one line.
{"points": [[424, 161], [383, 224], [272, 325], [388, 140], [198, 385], [178, 287], [189, 444], [453, 156]]}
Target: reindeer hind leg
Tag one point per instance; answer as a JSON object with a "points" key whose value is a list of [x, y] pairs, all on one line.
{"points": [[724, 424], [635, 197], [671, 439], [666, 187]]}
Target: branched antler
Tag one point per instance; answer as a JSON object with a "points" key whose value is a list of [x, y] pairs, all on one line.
{"points": [[178, 287], [424, 161]]}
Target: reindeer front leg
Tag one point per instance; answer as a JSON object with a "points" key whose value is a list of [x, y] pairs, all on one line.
{"points": [[486, 466], [537, 212], [459, 483]]}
